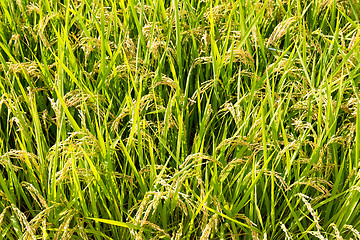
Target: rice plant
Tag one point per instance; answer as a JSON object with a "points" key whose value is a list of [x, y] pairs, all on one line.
{"points": [[226, 119]]}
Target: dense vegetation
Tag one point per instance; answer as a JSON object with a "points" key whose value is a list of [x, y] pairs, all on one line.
{"points": [[234, 119]]}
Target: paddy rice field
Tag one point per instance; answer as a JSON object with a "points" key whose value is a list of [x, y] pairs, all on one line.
{"points": [[138, 119]]}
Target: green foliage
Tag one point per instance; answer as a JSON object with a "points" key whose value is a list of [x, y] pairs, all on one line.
{"points": [[179, 119]]}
